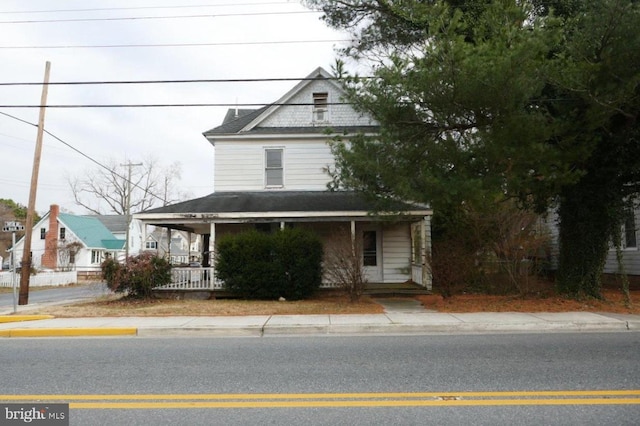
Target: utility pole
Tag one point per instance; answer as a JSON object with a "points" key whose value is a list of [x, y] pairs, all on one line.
{"points": [[26, 253], [128, 207]]}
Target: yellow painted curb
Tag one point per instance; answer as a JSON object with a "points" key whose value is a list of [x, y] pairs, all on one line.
{"points": [[18, 318], [69, 332]]}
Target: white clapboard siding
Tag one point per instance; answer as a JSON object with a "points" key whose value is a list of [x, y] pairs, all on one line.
{"points": [[396, 249], [239, 166]]}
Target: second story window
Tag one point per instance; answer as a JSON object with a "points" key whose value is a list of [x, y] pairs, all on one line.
{"points": [[274, 170], [63, 233], [43, 233], [320, 104]]}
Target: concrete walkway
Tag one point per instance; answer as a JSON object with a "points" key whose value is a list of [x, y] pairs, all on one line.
{"points": [[397, 322]]}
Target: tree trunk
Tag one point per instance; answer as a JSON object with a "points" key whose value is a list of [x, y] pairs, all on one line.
{"points": [[585, 229]]}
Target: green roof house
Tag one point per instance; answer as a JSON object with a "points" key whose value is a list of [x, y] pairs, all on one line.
{"points": [[62, 241]]}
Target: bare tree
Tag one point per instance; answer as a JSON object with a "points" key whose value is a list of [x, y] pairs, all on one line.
{"points": [[343, 263], [105, 189], [67, 255]]}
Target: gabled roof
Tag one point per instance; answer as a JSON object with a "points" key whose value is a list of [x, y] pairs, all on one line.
{"points": [[247, 121], [90, 231], [113, 222]]}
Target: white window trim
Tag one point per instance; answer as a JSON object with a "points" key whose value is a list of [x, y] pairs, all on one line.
{"points": [[264, 165], [315, 110]]}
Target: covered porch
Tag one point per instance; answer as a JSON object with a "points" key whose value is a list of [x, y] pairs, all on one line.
{"points": [[395, 247]]}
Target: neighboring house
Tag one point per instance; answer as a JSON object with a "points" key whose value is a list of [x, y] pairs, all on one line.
{"points": [[117, 225], [270, 172], [184, 248], [629, 244], [62, 241]]}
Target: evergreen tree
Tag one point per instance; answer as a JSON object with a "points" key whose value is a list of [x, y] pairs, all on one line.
{"points": [[537, 100]]}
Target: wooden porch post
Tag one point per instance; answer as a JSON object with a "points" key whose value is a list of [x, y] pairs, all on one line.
{"points": [[212, 242], [353, 238], [425, 238], [168, 253], [143, 237]]}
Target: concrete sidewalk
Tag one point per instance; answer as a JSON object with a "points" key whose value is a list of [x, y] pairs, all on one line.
{"points": [[398, 322]]}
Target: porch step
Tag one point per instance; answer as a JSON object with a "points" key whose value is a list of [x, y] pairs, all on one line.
{"points": [[399, 289]]}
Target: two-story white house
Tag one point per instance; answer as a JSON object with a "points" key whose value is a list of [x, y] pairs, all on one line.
{"points": [[270, 172]]}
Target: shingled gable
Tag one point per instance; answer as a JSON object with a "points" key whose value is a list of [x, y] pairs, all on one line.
{"points": [[247, 121]]}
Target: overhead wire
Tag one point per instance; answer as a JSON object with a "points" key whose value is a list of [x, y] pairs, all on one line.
{"points": [[102, 9], [175, 81], [170, 105], [140, 18], [88, 157], [144, 45]]}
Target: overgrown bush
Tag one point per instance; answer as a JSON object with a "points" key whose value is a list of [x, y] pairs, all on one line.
{"points": [[256, 265], [343, 264], [138, 276]]}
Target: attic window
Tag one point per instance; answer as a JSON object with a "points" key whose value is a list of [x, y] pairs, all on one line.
{"points": [[63, 233], [320, 104]]}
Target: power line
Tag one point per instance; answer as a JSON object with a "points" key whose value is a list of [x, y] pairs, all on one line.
{"points": [[93, 160], [253, 105], [140, 18], [231, 43], [145, 7], [176, 81]]}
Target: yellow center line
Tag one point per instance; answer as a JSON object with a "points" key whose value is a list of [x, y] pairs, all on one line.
{"points": [[356, 403], [365, 399], [362, 395]]}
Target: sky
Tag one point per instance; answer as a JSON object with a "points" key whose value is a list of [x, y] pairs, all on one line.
{"points": [[245, 39]]}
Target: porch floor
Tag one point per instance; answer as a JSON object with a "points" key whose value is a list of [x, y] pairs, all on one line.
{"points": [[395, 289]]}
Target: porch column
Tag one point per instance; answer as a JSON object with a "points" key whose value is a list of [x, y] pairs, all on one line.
{"points": [[353, 238], [168, 254], [143, 237], [212, 243], [425, 238]]}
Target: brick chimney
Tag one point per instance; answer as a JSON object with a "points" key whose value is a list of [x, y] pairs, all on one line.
{"points": [[50, 256]]}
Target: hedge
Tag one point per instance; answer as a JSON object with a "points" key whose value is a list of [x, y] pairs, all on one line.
{"points": [[256, 265]]}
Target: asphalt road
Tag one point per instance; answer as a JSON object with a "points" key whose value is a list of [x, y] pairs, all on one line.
{"points": [[60, 294], [373, 380]]}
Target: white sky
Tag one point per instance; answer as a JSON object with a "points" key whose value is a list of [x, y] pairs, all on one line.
{"points": [[168, 134]]}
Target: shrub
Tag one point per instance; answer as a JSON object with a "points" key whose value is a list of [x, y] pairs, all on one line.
{"points": [[343, 264], [138, 276], [256, 265]]}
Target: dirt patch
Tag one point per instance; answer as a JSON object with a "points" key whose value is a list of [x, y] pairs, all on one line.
{"points": [[613, 302], [115, 307], [335, 303]]}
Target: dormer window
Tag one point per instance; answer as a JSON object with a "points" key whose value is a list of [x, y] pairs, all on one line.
{"points": [[320, 104]]}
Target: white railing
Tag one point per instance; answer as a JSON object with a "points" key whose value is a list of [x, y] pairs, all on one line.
{"points": [[192, 279], [42, 279], [204, 279]]}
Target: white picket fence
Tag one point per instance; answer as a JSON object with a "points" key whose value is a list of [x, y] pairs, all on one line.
{"points": [[42, 279]]}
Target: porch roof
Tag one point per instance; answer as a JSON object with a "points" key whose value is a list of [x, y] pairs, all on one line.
{"points": [[282, 201], [274, 206]]}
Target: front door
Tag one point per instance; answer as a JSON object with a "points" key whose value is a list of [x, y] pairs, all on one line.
{"points": [[372, 255]]}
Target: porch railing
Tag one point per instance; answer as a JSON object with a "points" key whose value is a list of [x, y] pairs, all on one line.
{"points": [[192, 279]]}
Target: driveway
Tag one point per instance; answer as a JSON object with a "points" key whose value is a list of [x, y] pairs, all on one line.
{"points": [[56, 295]]}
